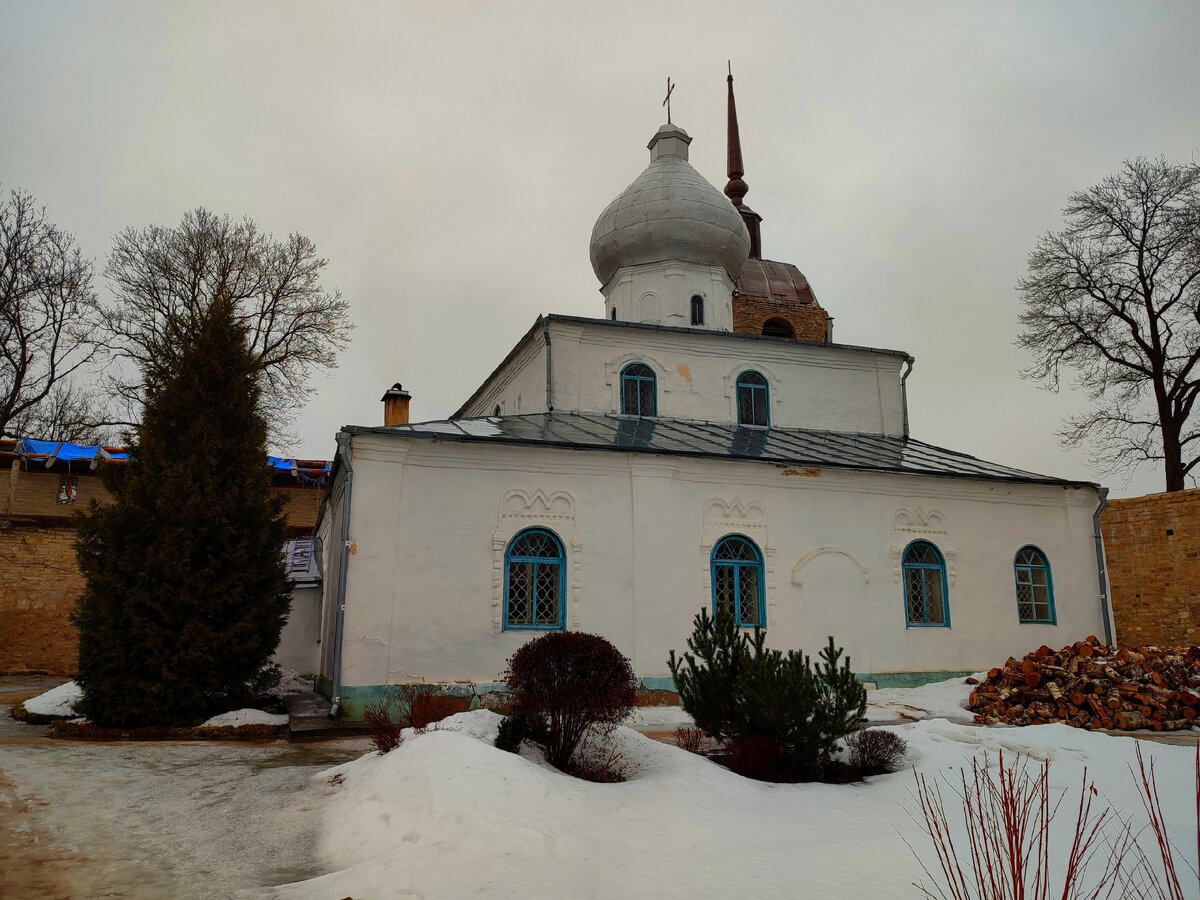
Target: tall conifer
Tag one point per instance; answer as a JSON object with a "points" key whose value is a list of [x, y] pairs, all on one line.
{"points": [[185, 589]]}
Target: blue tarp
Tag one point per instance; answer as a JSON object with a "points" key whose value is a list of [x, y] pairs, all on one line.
{"points": [[65, 451]]}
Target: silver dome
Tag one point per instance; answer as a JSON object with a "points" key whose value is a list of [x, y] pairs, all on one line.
{"points": [[670, 212]]}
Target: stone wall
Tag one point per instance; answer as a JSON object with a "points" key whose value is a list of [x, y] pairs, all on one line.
{"points": [[749, 314], [39, 584], [39, 580], [1152, 546]]}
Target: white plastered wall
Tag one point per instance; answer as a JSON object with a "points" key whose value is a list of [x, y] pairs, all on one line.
{"points": [[518, 386], [816, 387], [431, 520], [661, 293]]}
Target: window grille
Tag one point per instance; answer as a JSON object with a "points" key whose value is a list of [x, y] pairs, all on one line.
{"points": [[752, 399], [301, 556], [638, 390], [534, 581], [925, 598], [737, 581], [1035, 590], [697, 310]]}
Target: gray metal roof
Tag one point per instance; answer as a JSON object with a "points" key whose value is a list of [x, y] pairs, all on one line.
{"points": [[789, 446]]}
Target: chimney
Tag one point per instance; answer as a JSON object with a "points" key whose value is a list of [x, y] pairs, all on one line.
{"points": [[395, 405]]}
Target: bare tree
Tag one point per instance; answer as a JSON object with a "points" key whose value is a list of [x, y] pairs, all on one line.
{"points": [[1115, 298], [47, 321], [165, 279]]}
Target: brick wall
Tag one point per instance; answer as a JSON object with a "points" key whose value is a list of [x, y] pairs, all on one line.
{"points": [[39, 584], [1152, 546], [39, 581], [749, 314]]}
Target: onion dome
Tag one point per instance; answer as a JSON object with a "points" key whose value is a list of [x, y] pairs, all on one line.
{"points": [[670, 213]]}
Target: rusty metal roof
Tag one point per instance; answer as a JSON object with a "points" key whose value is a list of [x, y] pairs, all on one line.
{"points": [[771, 280]]}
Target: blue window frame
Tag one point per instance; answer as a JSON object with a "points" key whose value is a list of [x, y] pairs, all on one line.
{"points": [[753, 398], [1035, 588], [638, 390], [737, 580], [926, 600], [535, 581]]}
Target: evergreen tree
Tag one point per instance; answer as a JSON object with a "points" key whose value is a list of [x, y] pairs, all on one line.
{"points": [[185, 589]]}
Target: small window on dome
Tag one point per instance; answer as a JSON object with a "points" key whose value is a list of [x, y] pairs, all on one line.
{"points": [[777, 327], [496, 410], [614, 314], [697, 310]]}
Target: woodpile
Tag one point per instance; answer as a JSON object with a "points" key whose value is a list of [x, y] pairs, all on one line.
{"points": [[1090, 685]]}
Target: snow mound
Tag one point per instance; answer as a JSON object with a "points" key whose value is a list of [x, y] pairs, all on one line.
{"points": [[245, 717], [59, 701], [404, 824], [937, 700], [648, 718]]}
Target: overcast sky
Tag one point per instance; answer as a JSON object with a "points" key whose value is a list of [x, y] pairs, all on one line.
{"points": [[449, 159]]}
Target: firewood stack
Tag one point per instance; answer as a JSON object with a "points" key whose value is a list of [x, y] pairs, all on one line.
{"points": [[1090, 685]]}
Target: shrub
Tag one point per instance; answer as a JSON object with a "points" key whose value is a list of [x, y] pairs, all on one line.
{"points": [[424, 704], [689, 739], [385, 730], [875, 752], [599, 762], [512, 731], [566, 682], [735, 689]]}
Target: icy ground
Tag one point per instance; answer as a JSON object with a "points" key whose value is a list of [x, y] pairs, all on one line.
{"points": [[447, 815], [160, 821]]}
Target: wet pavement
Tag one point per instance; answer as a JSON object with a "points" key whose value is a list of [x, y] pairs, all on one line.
{"points": [[155, 819]]}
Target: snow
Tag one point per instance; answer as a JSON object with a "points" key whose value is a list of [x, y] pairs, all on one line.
{"points": [[59, 701], [940, 699], [240, 717], [406, 823]]}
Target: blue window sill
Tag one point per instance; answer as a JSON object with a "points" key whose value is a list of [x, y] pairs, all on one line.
{"points": [[926, 625], [507, 627]]}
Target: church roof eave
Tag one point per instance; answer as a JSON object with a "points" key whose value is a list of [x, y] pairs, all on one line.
{"points": [[713, 440]]}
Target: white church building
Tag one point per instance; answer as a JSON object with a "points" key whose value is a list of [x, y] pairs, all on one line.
{"points": [[704, 444]]}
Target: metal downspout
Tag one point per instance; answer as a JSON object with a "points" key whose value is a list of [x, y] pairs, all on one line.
{"points": [[1105, 606], [343, 442], [908, 367], [549, 368]]}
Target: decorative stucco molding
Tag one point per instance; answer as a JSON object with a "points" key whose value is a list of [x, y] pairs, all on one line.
{"points": [[525, 509], [914, 523], [612, 375], [722, 517], [818, 551]]}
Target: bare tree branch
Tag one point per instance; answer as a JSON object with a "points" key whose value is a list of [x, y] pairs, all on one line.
{"points": [[1114, 298], [47, 317], [165, 279]]}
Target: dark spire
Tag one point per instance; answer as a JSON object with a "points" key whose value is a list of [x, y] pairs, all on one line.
{"points": [[736, 189]]}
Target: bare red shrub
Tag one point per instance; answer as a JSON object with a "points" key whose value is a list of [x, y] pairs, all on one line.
{"points": [[756, 756], [875, 752], [385, 730], [424, 704], [690, 739], [570, 681], [1007, 853]]}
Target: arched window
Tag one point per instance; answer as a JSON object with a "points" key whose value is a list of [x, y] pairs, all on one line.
{"points": [[496, 410], [777, 327], [614, 314], [1035, 590], [752, 399], [535, 581], [697, 310], [926, 601], [737, 580], [638, 390]]}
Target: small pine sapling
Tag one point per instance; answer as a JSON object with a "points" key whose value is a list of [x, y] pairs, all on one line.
{"points": [[842, 700]]}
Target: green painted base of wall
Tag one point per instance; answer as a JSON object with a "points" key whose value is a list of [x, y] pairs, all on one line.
{"points": [[907, 679], [356, 698]]}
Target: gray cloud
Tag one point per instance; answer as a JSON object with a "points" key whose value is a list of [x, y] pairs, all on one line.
{"points": [[450, 160]]}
